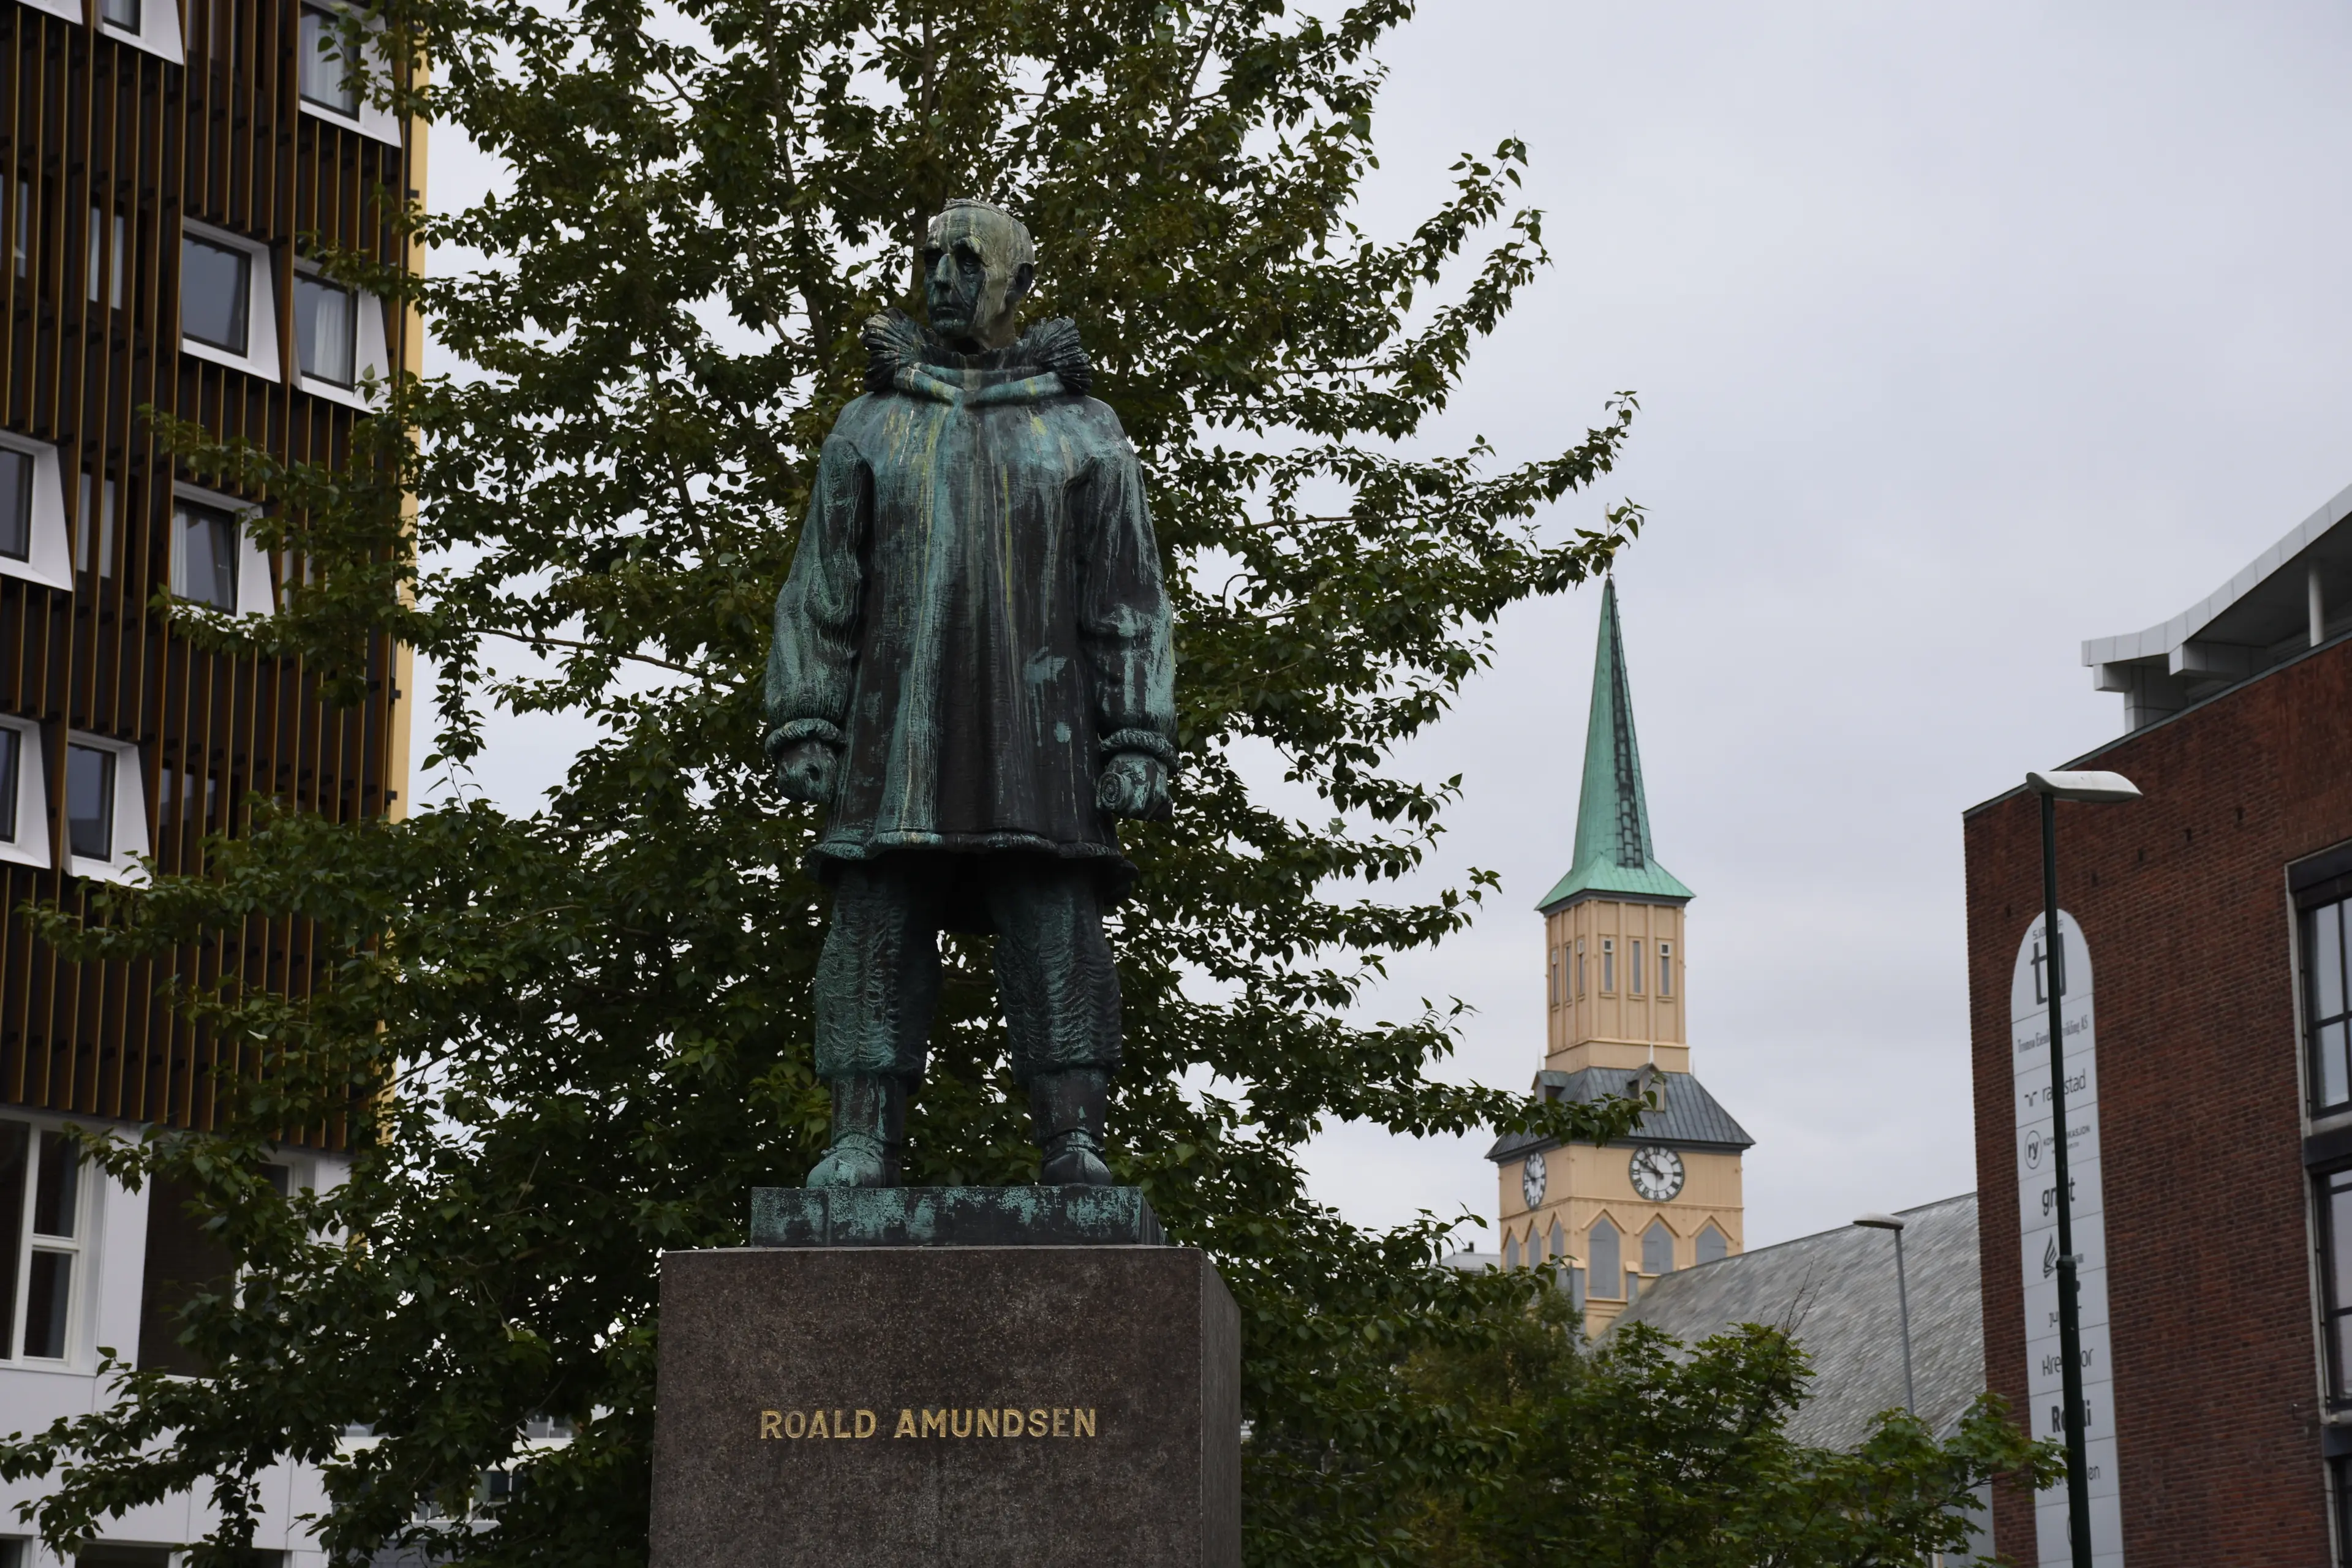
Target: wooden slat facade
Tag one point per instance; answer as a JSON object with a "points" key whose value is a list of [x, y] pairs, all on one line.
{"points": [[92, 124]]}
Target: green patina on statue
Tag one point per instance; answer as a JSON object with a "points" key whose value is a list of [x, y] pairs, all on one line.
{"points": [[973, 672]]}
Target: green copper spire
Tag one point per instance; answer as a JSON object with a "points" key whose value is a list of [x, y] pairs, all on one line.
{"points": [[1613, 850]]}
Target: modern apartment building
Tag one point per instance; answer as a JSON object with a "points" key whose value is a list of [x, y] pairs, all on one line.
{"points": [[169, 173], [2210, 1097]]}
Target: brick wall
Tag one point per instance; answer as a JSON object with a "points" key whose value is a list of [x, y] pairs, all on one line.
{"points": [[2182, 899]]}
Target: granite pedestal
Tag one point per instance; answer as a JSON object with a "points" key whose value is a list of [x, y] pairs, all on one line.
{"points": [[952, 1406]]}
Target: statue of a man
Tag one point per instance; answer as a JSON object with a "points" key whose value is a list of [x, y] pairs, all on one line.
{"points": [[973, 669]]}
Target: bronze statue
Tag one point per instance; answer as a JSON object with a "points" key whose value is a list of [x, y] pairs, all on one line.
{"points": [[972, 670]]}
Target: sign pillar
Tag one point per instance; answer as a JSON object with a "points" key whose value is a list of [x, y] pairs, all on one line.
{"points": [[2029, 1013]]}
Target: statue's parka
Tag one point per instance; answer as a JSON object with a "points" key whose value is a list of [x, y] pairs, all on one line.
{"points": [[976, 617]]}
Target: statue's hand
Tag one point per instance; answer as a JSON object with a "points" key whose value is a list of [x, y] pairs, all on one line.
{"points": [[806, 770], [1135, 785]]}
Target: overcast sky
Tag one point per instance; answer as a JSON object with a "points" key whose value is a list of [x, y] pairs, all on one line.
{"points": [[1962, 333]]}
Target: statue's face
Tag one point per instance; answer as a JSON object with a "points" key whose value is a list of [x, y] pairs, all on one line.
{"points": [[972, 282]]}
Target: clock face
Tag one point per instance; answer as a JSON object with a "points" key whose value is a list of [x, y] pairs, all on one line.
{"points": [[1657, 1173], [1531, 1180]]}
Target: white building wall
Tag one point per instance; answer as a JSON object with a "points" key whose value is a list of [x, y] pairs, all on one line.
{"points": [[105, 1313]]}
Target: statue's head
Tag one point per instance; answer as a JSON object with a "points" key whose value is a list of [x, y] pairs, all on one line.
{"points": [[978, 263]]}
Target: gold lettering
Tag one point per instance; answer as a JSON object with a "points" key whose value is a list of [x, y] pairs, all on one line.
{"points": [[840, 1426], [816, 1424], [1058, 1413], [1012, 1422], [772, 1424], [960, 1423], [987, 1423], [794, 1423], [1082, 1422], [1037, 1422], [934, 1423], [865, 1423], [905, 1425]]}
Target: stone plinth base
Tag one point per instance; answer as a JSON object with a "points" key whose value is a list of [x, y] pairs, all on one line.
{"points": [[947, 1407], [953, 1216]]}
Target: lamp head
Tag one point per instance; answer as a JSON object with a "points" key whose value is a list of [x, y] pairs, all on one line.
{"points": [[2088, 787], [1878, 1221]]}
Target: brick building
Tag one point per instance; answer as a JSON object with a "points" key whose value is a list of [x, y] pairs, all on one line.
{"points": [[2212, 1144]]}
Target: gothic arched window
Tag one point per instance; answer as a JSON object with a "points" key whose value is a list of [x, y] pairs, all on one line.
{"points": [[1606, 1274], [1510, 1252], [1714, 1247], [1559, 1242], [1657, 1249]]}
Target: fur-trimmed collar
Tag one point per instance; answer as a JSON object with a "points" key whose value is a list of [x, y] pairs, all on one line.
{"points": [[903, 355]]}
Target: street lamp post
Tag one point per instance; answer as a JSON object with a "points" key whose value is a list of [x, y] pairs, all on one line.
{"points": [[1902, 1298], [2089, 787]]}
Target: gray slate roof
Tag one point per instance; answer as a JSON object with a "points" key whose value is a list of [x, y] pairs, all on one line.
{"points": [[1690, 1118], [1835, 1294]]}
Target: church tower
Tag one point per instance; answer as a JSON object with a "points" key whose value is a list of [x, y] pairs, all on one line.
{"points": [[1617, 981]]}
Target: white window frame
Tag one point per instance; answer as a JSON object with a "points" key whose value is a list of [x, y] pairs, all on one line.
{"points": [[31, 844], [252, 586], [261, 356], [158, 34], [83, 1247], [372, 121], [130, 815], [371, 353], [48, 560]]}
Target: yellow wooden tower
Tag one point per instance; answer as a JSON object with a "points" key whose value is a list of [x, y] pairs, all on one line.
{"points": [[1616, 977]]}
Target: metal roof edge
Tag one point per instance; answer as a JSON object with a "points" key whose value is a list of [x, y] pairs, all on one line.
{"points": [[2104, 747], [2169, 634]]}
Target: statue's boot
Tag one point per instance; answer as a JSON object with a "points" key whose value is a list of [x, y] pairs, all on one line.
{"points": [[1067, 1110], [869, 1119]]}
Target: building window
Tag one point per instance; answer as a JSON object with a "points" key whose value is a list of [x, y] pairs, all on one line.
{"points": [[1712, 1246], [112, 1554], [1604, 1259], [183, 1261], [106, 809], [1657, 1249], [94, 526], [12, 762], [23, 802], [122, 14], [41, 1225], [1511, 1251], [20, 244], [16, 505], [1579, 967], [204, 549], [1665, 969], [1558, 1241], [1634, 966], [89, 801], [2324, 1005], [323, 70], [188, 798], [2335, 1281], [326, 330], [107, 261], [215, 294], [1553, 993], [1608, 964]]}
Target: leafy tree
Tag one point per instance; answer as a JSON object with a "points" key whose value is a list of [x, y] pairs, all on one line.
{"points": [[1642, 1452], [562, 1041]]}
